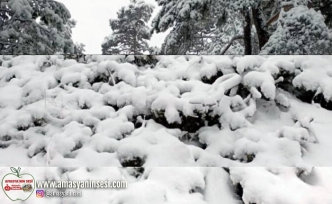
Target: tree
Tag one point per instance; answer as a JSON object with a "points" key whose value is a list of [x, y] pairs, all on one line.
{"points": [[228, 38], [190, 34], [154, 50], [325, 6], [35, 27], [300, 31], [195, 25], [258, 21], [130, 30], [79, 48]]}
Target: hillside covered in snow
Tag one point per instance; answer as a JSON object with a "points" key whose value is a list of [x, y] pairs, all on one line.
{"points": [[257, 128]]}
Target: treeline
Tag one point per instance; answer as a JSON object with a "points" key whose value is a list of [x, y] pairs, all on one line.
{"points": [[193, 27]]}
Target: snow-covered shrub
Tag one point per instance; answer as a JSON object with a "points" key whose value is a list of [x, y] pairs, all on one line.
{"points": [[131, 155], [240, 113], [187, 110]]}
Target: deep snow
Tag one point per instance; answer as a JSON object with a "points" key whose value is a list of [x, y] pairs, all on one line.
{"points": [[192, 112]]}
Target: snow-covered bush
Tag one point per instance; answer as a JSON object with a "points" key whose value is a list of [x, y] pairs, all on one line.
{"points": [[220, 111], [174, 111]]}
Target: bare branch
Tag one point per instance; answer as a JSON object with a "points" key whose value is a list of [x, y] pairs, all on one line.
{"points": [[5, 10], [111, 76], [205, 36], [6, 43], [238, 37]]}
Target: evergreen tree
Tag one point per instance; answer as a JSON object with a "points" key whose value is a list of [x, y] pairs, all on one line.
{"points": [[300, 31], [154, 50], [192, 38], [325, 6], [227, 37], [35, 27], [249, 26], [195, 25], [130, 30], [79, 48]]}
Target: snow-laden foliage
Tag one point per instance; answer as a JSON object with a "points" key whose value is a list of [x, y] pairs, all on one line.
{"points": [[130, 30], [197, 27], [222, 36], [245, 26], [35, 27], [190, 111], [325, 6], [235, 119], [79, 48], [300, 31]]}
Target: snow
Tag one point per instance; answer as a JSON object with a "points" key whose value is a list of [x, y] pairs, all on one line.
{"points": [[282, 100], [179, 128], [13, 95], [283, 182], [300, 31], [217, 189], [174, 185], [262, 80], [247, 62], [93, 109], [315, 77]]}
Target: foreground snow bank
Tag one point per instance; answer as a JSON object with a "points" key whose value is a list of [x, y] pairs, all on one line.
{"points": [[190, 185]]}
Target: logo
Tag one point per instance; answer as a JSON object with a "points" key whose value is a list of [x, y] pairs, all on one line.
{"points": [[40, 193], [18, 186], [27, 187]]}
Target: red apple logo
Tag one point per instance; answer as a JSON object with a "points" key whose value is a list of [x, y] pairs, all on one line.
{"points": [[18, 186]]}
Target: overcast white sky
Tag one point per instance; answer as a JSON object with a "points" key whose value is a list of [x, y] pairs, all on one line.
{"points": [[93, 21]]}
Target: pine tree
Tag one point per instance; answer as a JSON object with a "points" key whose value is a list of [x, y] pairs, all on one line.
{"points": [[242, 26], [300, 31], [194, 25], [228, 36], [325, 6], [154, 50], [191, 36], [130, 30], [35, 27], [79, 48]]}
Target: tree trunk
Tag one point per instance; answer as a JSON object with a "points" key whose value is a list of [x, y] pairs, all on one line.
{"points": [[135, 44], [135, 38], [247, 32], [261, 28]]}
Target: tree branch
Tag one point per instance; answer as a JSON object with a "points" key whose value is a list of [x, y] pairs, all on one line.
{"points": [[275, 17], [6, 43], [230, 43], [205, 36], [6, 10]]}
